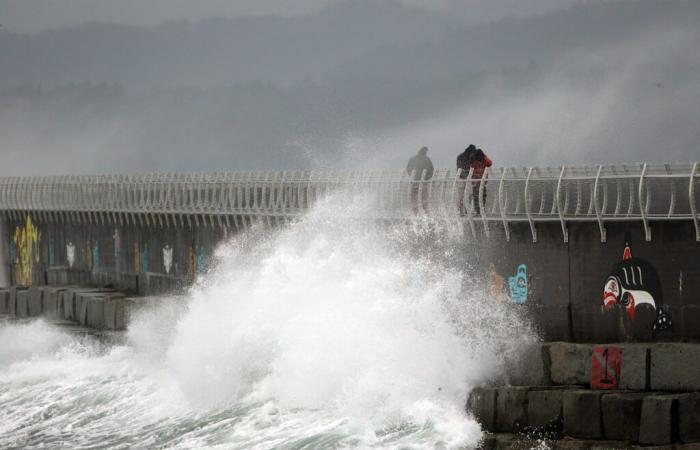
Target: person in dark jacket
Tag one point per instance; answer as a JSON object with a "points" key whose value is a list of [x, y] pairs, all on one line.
{"points": [[420, 169], [463, 168]]}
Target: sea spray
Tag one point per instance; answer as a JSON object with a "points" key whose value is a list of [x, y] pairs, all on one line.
{"points": [[317, 334]]}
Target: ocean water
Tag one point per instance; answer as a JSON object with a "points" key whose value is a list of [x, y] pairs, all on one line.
{"points": [[325, 333]]}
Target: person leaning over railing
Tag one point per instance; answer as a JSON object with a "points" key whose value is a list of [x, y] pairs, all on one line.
{"points": [[474, 159], [419, 167]]}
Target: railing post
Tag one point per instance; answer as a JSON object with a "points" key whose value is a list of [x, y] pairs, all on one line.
{"points": [[643, 205], [4, 263], [564, 230], [691, 198], [502, 204], [598, 214], [528, 213], [482, 202]]}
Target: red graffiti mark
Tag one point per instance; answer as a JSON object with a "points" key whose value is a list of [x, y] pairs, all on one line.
{"points": [[606, 367]]}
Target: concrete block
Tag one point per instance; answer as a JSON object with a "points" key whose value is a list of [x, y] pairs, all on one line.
{"points": [[52, 303], [12, 303], [81, 304], [35, 302], [4, 301], [22, 305], [531, 368], [689, 417], [621, 415], [68, 301], [658, 424], [570, 363], [634, 373], [675, 367], [94, 306], [511, 409], [577, 444], [110, 313], [482, 405], [582, 417], [544, 408]]}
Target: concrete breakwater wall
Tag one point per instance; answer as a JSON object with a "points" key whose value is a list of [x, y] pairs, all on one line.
{"points": [[602, 396], [583, 290], [99, 309]]}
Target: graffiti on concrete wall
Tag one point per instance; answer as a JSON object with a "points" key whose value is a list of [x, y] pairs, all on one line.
{"points": [[70, 254], [518, 285], [497, 283], [88, 254], [606, 365], [198, 260], [27, 251], [167, 258], [634, 284], [145, 257], [95, 251], [117, 248]]}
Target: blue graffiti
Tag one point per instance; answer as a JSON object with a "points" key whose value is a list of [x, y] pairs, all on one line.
{"points": [[12, 250], [518, 285], [201, 260]]}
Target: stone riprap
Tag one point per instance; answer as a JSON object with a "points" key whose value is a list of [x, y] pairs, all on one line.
{"points": [[97, 308]]}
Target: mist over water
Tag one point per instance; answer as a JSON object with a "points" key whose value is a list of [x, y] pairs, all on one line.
{"points": [[320, 334]]}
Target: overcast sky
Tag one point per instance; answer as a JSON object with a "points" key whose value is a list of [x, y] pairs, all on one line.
{"points": [[38, 15], [352, 83]]}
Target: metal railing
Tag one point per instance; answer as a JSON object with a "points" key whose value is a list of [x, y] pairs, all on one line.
{"points": [[599, 194]]}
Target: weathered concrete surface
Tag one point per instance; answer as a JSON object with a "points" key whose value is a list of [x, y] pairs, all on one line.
{"points": [[689, 417], [482, 405], [35, 302], [675, 367], [544, 407], [531, 368], [658, 424], [53, 306], [4, 301], [570, 363], [621, 416], [511, 409], [22, 304], [635, 370], [582, 415]]}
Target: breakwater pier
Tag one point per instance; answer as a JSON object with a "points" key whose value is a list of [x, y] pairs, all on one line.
{"points": [[603, 261]]}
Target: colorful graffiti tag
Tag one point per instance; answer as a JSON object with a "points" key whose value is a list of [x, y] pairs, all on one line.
{"points": [[634, 284], [518, 285], [27, 251]]}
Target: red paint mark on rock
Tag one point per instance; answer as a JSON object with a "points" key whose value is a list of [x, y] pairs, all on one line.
{"points": [[607, 363]]}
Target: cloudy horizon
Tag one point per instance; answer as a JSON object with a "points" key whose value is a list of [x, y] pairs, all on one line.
{"points": [[351, 84]]}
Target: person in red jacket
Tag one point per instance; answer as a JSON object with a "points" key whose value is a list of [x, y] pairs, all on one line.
{"points": [[476, 160]]}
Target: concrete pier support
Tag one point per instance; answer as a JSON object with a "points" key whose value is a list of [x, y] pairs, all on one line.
{"points": [[4, 263]]}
